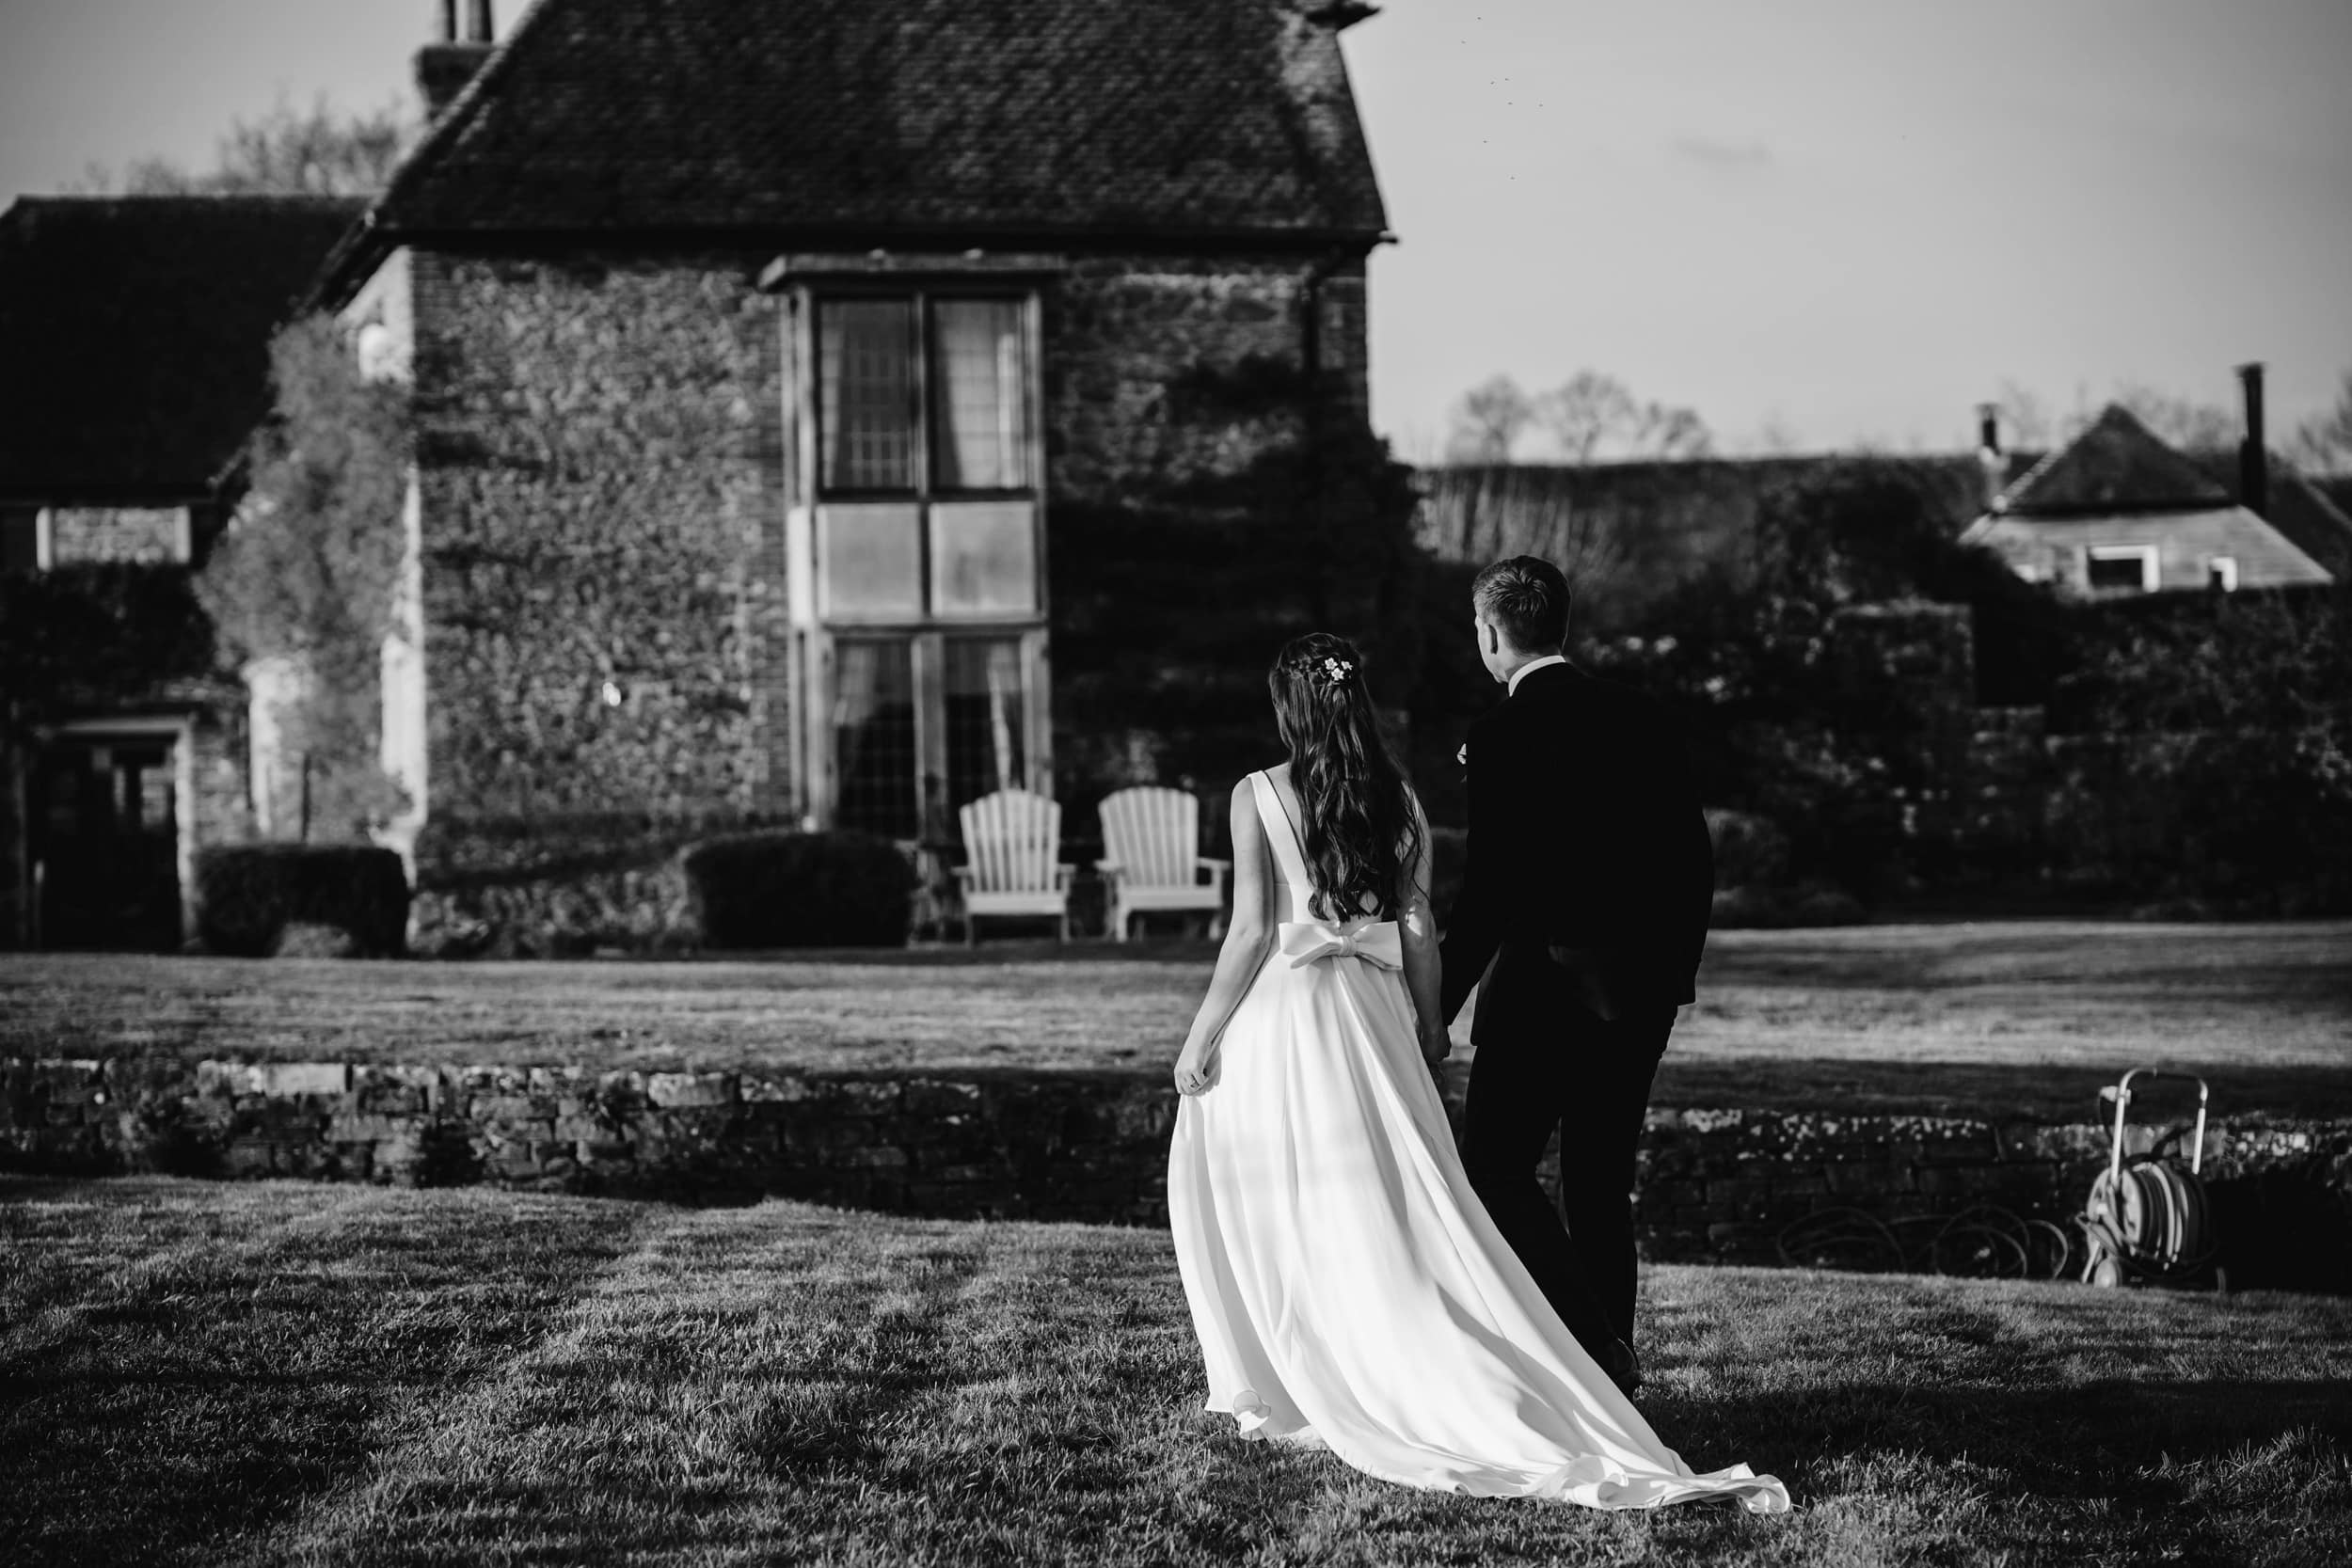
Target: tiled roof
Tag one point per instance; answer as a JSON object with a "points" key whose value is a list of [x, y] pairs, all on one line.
{"points": [[926, 117], [135, 335], [2299, 507], [2115, 466]]}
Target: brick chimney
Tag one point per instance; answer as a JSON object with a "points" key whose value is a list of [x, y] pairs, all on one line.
{"points": [[1991, 463], [445, 64], [2254, 456]]}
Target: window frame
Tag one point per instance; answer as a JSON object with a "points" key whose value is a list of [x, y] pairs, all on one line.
{"points": [[2150, 572], [2221, 573]]}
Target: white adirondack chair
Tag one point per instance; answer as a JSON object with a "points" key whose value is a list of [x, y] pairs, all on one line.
{"points": [[1011, 839], [1152, 858]]}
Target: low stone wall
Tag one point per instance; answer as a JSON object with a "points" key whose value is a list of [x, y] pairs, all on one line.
{"points": [[1714, 1185]]}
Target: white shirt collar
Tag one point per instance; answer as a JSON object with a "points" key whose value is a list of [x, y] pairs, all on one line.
{"points": [[1532, 665]]}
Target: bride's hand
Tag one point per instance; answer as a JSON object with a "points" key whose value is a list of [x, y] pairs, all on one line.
{"points": [[1194, 1072], [1436, 1045]]}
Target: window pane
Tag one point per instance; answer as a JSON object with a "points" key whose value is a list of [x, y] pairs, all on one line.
{"points": [[983, 558], [979, 413], [873, 559], [987, 718], [865, 393], [873, 737]]}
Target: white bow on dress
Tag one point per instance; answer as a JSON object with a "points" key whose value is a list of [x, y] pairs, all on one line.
{"points": [[1375, 941]]}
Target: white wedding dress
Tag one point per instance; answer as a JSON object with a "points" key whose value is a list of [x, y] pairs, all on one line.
{"points": [[1348, 1289]]}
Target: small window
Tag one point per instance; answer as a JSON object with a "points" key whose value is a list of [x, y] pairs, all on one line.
{"points": [[20, 545], [2221, 573], [2121, 568]]}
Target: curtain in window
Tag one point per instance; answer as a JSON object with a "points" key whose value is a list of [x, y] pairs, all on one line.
{"points": [[987, 730], [865, 393], [873, 737], [978, 411]]}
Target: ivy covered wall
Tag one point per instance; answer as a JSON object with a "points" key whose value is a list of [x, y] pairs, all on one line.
{"points": [[602, 578]]}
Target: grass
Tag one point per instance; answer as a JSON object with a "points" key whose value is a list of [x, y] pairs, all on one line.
{"points": [[284, 1373], [2010, 1019]]}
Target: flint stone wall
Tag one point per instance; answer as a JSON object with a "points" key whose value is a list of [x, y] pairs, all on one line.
{"points": [[1714, 1185]]}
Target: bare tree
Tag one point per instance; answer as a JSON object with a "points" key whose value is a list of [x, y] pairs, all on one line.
{"points": [[1490, 420], [2183, 422], [1593, 410], [2323, 443], [1662, 432], [1585, 411], [284, 153], [2026, 417]]}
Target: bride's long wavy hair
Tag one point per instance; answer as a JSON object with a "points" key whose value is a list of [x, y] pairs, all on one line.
{"points": [[1360, 830]]}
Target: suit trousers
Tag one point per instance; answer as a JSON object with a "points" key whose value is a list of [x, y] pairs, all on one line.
{"points": [[1591, 1079]]}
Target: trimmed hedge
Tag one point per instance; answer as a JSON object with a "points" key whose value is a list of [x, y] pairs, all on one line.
{"points": [[800, 890], [248, 894]]}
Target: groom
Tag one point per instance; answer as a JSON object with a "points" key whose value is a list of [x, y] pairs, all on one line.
{"points": [[1588, 889]]}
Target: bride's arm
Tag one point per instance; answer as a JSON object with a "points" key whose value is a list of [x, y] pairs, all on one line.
{"points": [[1238, 961], [1423, 970]]}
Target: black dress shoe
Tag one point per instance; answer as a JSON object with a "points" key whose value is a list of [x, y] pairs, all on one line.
{"points": [[1623, 1368]]}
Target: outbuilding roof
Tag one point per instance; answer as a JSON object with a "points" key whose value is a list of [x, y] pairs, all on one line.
{"points": [[135, 335], [879, 117], [2115, 466]]}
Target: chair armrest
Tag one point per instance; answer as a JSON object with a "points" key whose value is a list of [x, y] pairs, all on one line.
{"points": [[963, 875], [1218, 870]]}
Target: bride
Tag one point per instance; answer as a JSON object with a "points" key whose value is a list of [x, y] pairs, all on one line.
{"points": [[1348, 1289]]}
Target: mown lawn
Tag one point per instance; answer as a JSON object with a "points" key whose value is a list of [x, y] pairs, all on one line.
{"points": [[327, 1374], [2008, 1019]]}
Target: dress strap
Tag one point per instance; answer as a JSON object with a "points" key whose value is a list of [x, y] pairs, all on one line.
{"points": [[1288, 854]]}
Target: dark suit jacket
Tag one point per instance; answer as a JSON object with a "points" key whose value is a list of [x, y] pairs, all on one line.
{"points": [[1590, 876]]}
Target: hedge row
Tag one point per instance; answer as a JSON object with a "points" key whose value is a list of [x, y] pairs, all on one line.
{"points": [[748, 889]]}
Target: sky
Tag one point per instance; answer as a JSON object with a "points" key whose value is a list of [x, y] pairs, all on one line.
{"points": [[1820, 223]]}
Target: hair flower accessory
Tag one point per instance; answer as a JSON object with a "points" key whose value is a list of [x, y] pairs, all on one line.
{"points": [[1336, 670]]}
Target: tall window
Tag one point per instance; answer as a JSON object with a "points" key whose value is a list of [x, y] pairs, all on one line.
{"points": [[925, 550]]}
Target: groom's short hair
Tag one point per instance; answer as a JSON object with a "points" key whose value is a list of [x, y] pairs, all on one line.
{"points": [[1528, 599]]}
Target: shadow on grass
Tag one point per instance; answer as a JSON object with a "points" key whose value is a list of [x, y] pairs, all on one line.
{"points": [[2122, 1439]]}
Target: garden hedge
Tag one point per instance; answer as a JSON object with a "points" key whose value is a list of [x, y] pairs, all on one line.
{"points": [[800, 890], [247, 895]]}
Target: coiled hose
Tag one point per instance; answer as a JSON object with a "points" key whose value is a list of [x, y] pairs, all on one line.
{"points": [[1986, 1242], [2150, 1217]]}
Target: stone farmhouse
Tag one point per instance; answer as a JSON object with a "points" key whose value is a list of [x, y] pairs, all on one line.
{"points": [[764, 354], [2117, 511], [133, 362]]}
